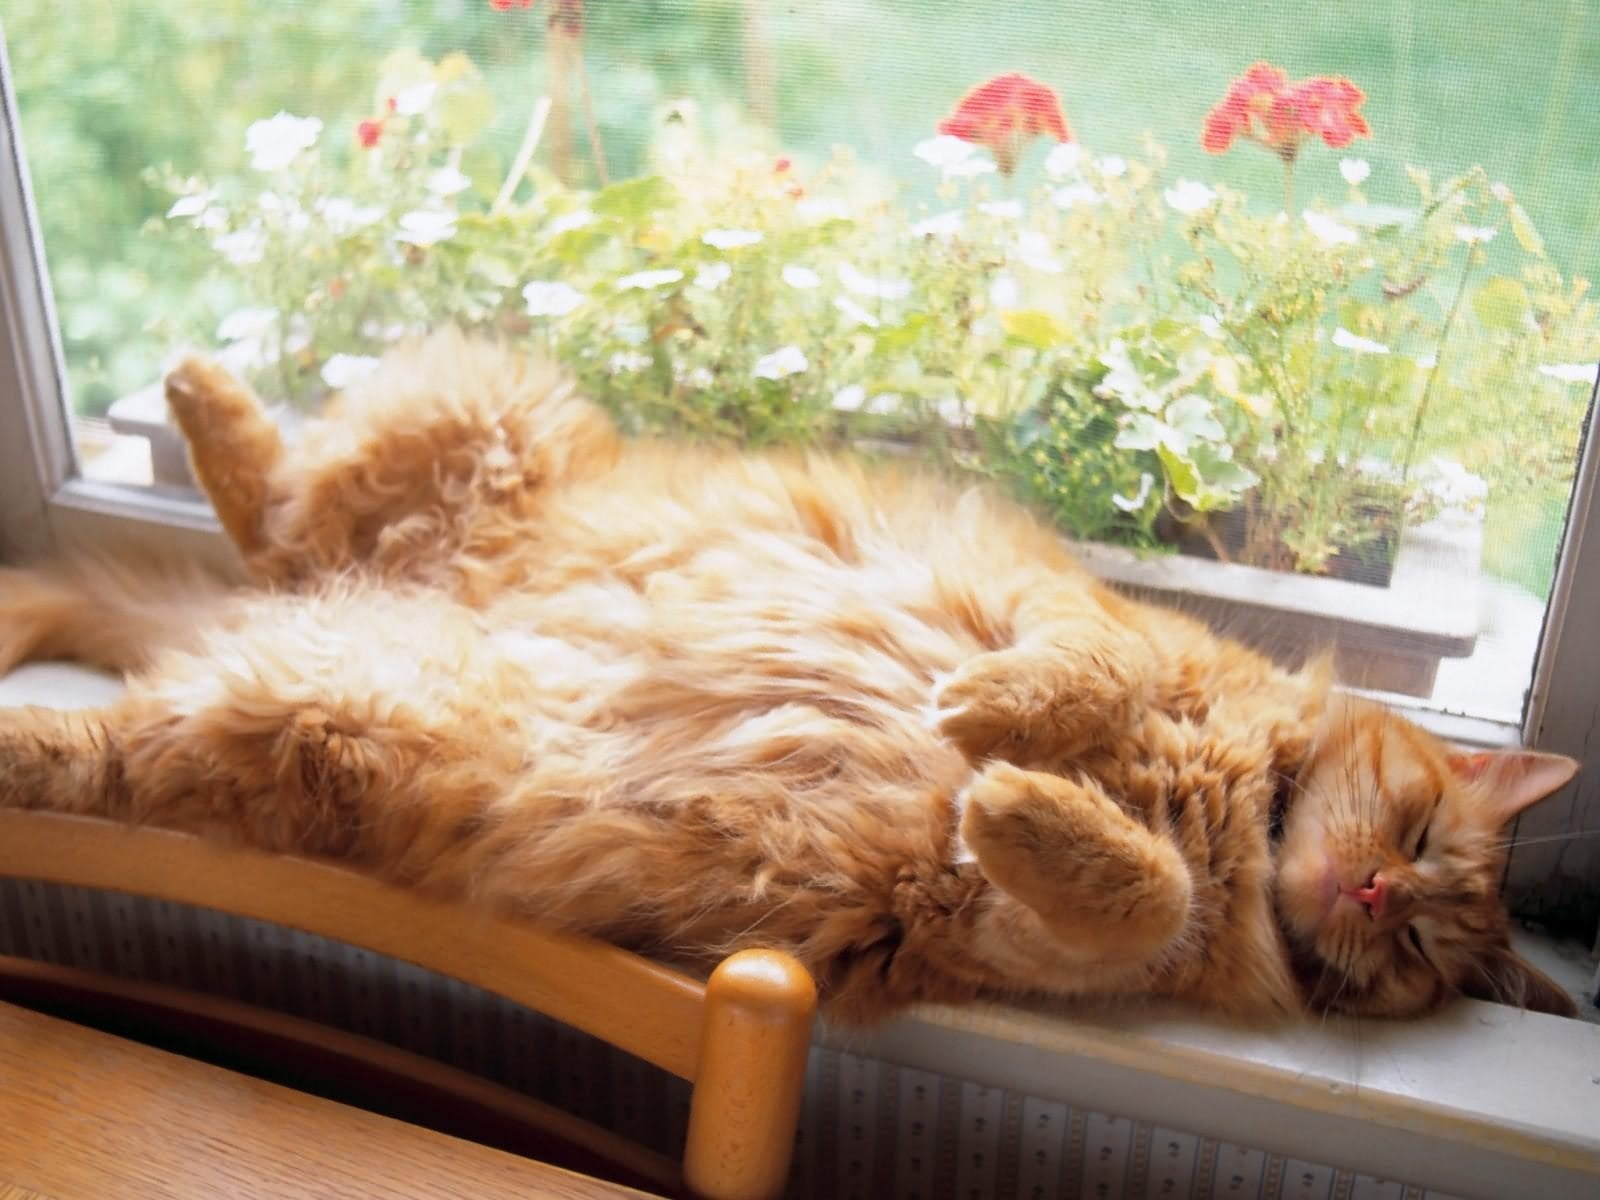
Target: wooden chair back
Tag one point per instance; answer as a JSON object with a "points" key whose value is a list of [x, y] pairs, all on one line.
{"points": [[740, 1038]]}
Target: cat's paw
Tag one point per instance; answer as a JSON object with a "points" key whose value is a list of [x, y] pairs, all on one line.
{"points": [[1098, 879], [1012, 704]]}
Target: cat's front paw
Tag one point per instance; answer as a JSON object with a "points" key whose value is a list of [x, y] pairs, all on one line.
{"points": [[1098, 879], [1012, 704]]}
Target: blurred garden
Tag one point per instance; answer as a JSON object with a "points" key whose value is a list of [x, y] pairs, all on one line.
{"points": [[1265, 281]]}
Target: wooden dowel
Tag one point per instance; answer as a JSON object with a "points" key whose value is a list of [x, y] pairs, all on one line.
{"points": [[759, 1008]]}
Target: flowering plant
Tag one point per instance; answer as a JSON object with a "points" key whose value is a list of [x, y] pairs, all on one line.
{"points": [[1148, 358]]}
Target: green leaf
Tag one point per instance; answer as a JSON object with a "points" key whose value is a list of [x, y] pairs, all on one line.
{"points": [[1379, 216], [1217, 468], [633, 200], [1423, 183], [893, 339], [463, 110], [1140, 432], [1502, 303], [1182, 476], [1033, 327], [496, 270], [1523, 230], [1192, 415]]}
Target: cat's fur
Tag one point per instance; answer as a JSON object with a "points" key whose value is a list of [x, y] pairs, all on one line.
{"points": [[690, 700]]}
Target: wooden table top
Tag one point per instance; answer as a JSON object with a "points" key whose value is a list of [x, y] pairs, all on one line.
{"points": [[85, 1115]]}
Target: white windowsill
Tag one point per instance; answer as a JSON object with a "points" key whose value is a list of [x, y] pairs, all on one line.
{"points": [[1479, 1100]]}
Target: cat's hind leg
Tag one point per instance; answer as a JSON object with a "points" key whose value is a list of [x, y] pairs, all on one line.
{"points": [[234, 447], [437, 461], [1102, 885]]}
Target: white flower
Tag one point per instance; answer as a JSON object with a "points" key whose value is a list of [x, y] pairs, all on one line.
{"points": [[646, 280], [787, 360], [1004, 291], [243, 248], [816, 209], [340, 371], [950, 409], [1427, 362], [252, 335], [247, 323], [1452, 485], [1112, 166], [1346, 340], [274, 142], [1135, 502], [1006, 210], [1473, 234], [344, 215], [1063, 160], [797, 276], [627, 362], [1583, 373], [1033, 250], [866, 285], [943, 151], [447, 181], [286, 207], [426, 226], [966, 168], [1329, 231], [712, 276], [1070, 197], [700, 377], [551, 299], [855, 312], [1210, 326], [414, 100], [1500, 192], [945, 225], [850, 398], [956, 158], [570, 221], [1355, 170], [730, 239], [1189, 196], [191, 205]]}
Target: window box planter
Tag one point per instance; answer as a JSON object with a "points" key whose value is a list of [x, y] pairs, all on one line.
{"points": [[1385, 638]]}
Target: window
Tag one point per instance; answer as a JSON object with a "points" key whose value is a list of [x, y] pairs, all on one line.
{"points": [[1283, 319]]}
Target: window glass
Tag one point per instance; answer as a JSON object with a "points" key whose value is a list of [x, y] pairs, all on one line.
{"points": [[1282, 310]]}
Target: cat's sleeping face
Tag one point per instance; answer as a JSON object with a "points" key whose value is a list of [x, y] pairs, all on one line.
{"points": [[1389, 868]]}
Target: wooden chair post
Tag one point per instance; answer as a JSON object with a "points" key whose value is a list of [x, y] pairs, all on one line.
{"points": [[758, 1012]]}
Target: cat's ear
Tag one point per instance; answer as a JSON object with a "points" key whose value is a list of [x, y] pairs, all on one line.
{"points": [[1514, 779], [1505, 977]]}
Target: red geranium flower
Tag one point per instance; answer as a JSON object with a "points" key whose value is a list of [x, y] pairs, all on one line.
{"points": [[1006, 113], [503, 5], [368, 133], [1263, 106]]}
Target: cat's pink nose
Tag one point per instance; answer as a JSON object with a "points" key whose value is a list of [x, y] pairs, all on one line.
{"points": [[1374, 895]]}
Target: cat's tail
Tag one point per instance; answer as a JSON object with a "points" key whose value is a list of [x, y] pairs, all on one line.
{"points": [[105, 612]]}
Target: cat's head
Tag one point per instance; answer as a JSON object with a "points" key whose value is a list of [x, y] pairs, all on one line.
{"points": [[1389, 867]]}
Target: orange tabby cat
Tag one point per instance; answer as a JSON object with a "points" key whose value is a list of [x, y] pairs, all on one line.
{"points": [[689, 701]]}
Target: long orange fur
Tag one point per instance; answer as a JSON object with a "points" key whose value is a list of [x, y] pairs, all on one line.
{"points": [[691, 700]]}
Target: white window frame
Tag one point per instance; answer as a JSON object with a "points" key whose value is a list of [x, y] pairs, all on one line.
{"points": [[46, 507]]}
